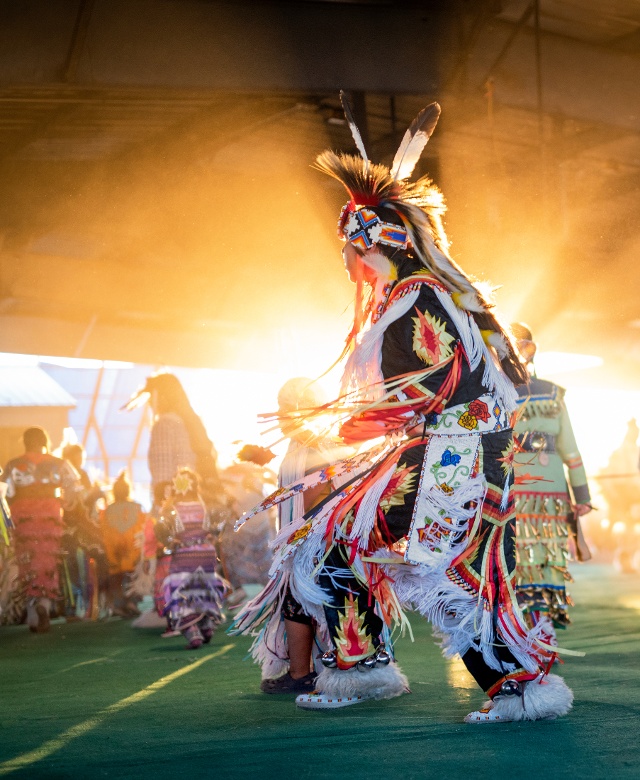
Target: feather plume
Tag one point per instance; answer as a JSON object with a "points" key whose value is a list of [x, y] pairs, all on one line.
{"points": [[414, 141], [346, 107], [367, 184], [420, 207]]}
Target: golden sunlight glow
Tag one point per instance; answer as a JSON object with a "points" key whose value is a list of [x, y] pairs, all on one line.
{"points": [[630, 602], [229, 402], [554, 362], [599, 417], [458, 676]]}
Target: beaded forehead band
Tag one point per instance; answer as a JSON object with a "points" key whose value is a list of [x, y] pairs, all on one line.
{"points": [[363, 228]]}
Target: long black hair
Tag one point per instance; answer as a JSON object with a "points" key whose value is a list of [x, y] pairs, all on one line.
{"points": [[171, 397]]}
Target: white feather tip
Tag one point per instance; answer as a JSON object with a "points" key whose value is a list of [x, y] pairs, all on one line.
{"points": [[497, 341], [414, 141], [348, 112], [468, 301]]}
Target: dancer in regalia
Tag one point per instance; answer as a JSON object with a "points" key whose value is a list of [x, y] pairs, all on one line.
{"points": [[39, 486], [424, 519], [192, 590], [286, 653], [547, 507], [122, 524], [178, 438]]}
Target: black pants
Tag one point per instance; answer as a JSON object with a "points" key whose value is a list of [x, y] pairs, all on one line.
{"points": [[343, 588], [484, 675], [292, 610]]}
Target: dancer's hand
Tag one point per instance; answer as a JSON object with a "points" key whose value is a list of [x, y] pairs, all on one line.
{"points": [[582, 509]]}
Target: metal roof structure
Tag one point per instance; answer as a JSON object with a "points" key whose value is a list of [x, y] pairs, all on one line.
{"points": [[31, 386], [158, 204]]}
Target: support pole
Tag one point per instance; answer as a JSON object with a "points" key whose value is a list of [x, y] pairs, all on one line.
{"points": [[78, 39]]}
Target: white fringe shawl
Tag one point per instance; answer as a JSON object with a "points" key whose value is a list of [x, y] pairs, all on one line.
{"points": [[494, 378], [291, 470], [460, 620], [294, 569], [269, 649], [367, 513]]}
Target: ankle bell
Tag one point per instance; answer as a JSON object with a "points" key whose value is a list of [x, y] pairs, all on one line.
{"points": [[366, 663], [510, 688], [329, 659], [383, 656]]}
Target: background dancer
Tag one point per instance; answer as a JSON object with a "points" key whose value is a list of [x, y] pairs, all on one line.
{"points": [[84, 569], [178, 439], [291, 648], [39, 485], [193, 591], [547, 507], [122, 524]]}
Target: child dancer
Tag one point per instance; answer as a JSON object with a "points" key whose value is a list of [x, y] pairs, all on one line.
{"points": [[121, 522], [193, 592]]}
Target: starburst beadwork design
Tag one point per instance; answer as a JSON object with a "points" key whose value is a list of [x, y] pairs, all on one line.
{"points": [[182, 484], [401, 483], [431, 342]]}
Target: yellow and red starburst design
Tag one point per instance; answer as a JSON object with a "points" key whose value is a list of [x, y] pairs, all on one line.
{"points": [[401, 483], [431, 342], [182, 484], [353, 644], [508, 456]]}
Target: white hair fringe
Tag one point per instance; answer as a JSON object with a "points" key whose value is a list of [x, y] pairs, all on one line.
{"points": [[363, 368]]}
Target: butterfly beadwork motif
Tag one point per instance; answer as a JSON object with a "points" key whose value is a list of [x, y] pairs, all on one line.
{"points": [[449, 459]]}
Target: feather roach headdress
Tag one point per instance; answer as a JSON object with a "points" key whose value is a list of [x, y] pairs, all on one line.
{"points": [[387, 210]]}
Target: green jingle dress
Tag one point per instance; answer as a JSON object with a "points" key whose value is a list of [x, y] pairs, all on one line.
{"points": [[545, 521]]}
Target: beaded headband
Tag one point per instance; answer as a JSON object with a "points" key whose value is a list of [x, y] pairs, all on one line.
{"points": [[363, 228]]}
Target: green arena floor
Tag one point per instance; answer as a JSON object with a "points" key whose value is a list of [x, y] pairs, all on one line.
{"points": [[95, 700]]}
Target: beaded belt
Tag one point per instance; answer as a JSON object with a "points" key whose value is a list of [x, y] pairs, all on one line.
{"points": [[482, 415]]}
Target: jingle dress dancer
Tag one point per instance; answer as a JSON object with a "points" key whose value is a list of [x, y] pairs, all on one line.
{"points": [[547, 507], [425, 519]]}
